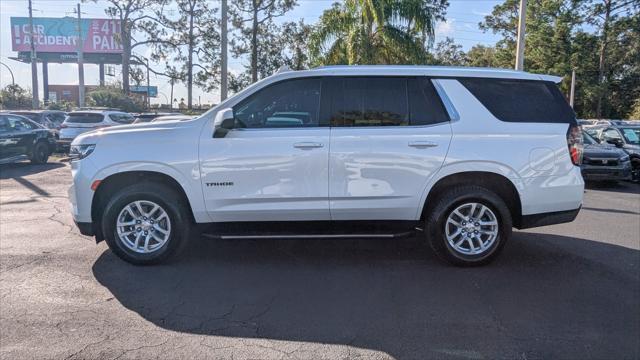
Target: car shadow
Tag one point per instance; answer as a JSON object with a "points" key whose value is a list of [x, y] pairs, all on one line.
{"points": [[615, 186], [547, 296], [20, 169]]}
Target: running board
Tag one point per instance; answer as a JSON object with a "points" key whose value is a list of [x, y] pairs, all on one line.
{"points": [[307, 236]]}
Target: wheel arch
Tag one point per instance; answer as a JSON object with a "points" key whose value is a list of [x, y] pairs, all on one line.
{"points": [[119, 180], [493, 181]]}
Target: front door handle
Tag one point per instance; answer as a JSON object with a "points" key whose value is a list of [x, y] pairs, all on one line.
{"points": [[307, 145], [422, 144]]}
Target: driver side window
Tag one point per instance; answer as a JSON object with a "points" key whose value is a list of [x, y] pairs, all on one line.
{"points": [[612, 134], [290, 103]]}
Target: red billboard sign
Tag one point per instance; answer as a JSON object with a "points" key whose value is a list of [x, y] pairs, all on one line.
{"points": [[60, 35]]}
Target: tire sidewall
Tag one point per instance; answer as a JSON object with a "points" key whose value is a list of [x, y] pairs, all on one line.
{"points": [[444, 208], [170, 204], [40, 153]]}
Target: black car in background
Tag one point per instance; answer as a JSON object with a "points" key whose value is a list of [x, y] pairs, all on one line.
{"points": [[603, 162], [22, 139], [51, 119], [626, 136]]}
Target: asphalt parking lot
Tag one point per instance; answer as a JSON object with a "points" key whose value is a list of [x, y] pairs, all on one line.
{"points": [[569, 291]]}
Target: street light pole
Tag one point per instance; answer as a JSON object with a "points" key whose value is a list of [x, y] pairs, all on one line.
{"points": [[223, 48], [13, 80], [522, 16], [80, 62], [35, 101]]}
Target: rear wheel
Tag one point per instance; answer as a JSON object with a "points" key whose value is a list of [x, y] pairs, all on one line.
{"points": [[40, 154], [468, 226], [146, 223]]}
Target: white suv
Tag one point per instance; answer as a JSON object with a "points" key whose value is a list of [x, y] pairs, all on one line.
{"points": [[461, 155], [79, 122]]}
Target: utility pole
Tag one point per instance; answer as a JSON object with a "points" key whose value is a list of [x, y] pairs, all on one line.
{"points": [[79, 44], [172, 82], [148, 87], [573, 88], [35, 101], [223, 48], [522, 19]]}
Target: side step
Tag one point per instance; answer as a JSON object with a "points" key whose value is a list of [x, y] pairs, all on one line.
{"points": [[311, 230]]}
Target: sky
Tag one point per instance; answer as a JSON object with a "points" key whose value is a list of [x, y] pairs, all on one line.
{"points": [[462, 21]]}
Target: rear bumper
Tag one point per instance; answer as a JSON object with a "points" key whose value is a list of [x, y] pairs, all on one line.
{"points": [[550, 218], [606, 172]]}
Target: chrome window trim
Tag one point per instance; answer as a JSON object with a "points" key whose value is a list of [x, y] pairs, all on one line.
{"points": [[448, 105]]}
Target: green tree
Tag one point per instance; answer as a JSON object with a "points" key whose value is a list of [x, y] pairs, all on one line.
{"points": [[481, 56], [13, 96], [447, 52], [252, 19], [376, 31], [112, 97]]}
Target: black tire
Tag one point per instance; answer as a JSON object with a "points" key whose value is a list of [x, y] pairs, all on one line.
{"points": [[170, 202], [445, 204], [40, 154]]}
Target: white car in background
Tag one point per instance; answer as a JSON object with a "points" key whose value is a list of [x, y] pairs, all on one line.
{"points": [[79, 122]]}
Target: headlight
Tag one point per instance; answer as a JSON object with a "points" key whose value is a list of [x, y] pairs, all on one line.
{"points": [[77, 152]]}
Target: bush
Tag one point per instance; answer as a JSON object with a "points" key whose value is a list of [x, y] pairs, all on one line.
{"points": [[112, 97]]}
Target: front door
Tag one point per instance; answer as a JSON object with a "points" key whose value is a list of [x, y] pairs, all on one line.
{"points": [[274, 165], [389, 135]]}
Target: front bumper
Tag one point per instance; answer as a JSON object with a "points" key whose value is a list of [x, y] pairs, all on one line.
{"points": [[590, 172], [85, 228]]}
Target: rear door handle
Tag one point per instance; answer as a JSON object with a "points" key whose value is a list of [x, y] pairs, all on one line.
{"points": [[422, 144], [307, 145]]}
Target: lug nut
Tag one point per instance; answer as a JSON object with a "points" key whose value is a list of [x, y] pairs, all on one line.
{"points": [[139, 229], [146, 232], [144, 218], [477, 224], [137, 221]]}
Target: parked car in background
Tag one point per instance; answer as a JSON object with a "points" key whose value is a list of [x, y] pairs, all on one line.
{"points": [[51, 119], [604, 162], [626, 136], [148, 117], [24, 139], [172, 118], [79, 122], [341, 151]]}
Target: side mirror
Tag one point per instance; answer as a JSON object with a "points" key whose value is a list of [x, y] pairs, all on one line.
{"points": [[223, 123], [616, 142]]}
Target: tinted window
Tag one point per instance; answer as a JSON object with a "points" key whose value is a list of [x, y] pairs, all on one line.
{"points": [[380, 101], [521, 100], [425, 106], [18, 124], [84, 118], [632, 135], [359, 101], [122, 118], [292, 103]]}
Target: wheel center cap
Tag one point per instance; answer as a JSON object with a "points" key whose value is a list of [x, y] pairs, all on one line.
{"points": [[146, 225]]}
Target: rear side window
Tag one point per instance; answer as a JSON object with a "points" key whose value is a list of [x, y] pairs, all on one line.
{"points": [[521, 100], [84, 118], [380, 101]]}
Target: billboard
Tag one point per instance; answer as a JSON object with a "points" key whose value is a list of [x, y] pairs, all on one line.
{"points": [[60, 35], [152, 91]]}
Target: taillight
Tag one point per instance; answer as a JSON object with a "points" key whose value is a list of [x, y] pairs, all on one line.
{"points": [[574, 142]]}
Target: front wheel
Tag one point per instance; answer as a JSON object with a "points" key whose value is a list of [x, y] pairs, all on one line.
{"points": [[40, 154], [468, 226], [146, 223]]}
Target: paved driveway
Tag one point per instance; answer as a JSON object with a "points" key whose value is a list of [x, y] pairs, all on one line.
{"points": [[569, 291]]}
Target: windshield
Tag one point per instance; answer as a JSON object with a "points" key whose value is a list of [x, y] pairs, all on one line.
{"points": [[588, 139], [631, 135]]}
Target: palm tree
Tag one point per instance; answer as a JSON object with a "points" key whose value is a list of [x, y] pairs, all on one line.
{"points": [[376, 31]]}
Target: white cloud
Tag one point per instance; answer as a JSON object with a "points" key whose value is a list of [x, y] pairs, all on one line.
{"points": [[445, 28]]}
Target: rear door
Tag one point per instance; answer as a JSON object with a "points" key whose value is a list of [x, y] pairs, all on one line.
{"points": [[20, 136], [389, 135], [274, 165]]}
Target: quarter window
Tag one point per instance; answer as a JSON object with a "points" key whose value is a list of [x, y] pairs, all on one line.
{"points": [[122, 118], [291, 103]]}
